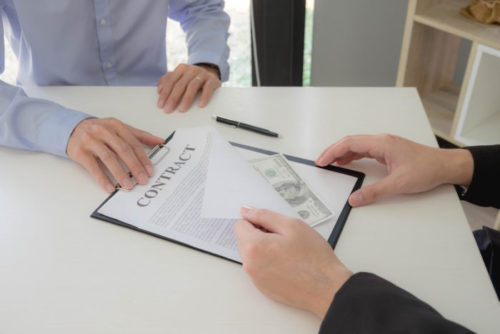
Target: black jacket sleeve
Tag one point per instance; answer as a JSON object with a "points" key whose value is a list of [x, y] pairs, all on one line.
{"points": [[367, 303], [485, 186]]}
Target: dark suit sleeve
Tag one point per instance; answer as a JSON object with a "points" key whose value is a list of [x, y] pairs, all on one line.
{"points": [[367, 303], [485, 186]]}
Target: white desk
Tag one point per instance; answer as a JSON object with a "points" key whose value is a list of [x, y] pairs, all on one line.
{"points": [[63, 272]]}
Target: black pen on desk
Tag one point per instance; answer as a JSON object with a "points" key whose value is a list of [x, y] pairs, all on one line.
{"points": [[245, 126]]}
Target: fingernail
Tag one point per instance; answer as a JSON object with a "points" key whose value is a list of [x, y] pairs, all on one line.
{"points": [[356, 199], [160, 103], [320, 161], [110, 188], [246, 210], [142, 178], [150, 170], [127, 183], [169, 109]]}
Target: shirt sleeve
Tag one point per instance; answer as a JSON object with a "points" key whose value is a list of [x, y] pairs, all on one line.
{"points": [[33, 124], [206, 26], [367, 303], [483, 189]]}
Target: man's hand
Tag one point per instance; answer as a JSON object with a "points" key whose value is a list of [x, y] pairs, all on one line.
{"points": [[288, 261], [109, 140], [411, 167], [181, 86]]}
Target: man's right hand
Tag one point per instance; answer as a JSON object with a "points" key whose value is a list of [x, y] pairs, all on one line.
{"points": [[411, 167], [111, 141], [289, 261]]}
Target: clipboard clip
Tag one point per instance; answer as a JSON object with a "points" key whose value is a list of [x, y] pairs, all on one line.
{"points": [[152, 155], [155, 158]]}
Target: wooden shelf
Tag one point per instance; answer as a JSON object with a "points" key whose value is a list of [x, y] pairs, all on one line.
{"points": [[434, 32], [445, 15], [440, 107], [478, 117]]}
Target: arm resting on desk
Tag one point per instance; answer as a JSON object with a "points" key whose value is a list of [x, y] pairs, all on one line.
{"points": [[35, 124], [367, 303]]}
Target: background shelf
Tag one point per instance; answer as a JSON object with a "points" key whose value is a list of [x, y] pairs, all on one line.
{"points": [[479, 115], [463, 112], [440, 107], [484, 133], [445, 15]]}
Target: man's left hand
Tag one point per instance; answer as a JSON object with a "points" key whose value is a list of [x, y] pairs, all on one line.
{"points": [[179, 88]]}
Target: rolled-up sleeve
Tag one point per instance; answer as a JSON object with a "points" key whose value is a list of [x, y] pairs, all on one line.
{"points": [[206, 26]]}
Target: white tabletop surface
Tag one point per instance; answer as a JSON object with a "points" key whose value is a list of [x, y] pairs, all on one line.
{"points": [[64, 272]]}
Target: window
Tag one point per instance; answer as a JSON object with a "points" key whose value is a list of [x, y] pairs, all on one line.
{"points": [[239, 43]]}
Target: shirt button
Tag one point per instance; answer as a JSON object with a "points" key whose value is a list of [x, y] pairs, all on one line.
{"points": [[109, 64], [103, 22]]}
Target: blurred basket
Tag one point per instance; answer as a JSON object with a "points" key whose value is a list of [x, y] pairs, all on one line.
{"points": [[485, 11]]}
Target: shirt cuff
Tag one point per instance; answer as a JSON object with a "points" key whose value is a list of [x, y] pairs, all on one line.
{"points": [[212, 58], [55, 131]]}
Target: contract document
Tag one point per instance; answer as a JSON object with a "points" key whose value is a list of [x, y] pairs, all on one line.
{"points": [[176, 206], [170, 204]]}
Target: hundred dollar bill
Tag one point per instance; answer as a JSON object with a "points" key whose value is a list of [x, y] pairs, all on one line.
{"points": [[277, 171]]}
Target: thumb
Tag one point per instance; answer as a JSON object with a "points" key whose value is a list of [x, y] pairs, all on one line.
{"points": [[247, 237], [245, 232], [373, 192], [266, 219]]}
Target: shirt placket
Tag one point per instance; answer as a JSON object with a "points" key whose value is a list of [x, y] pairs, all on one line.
{"points": [[105, 40]]}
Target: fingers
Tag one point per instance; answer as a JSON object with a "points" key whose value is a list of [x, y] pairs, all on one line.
{"points": [[138, 160], [189, 93], [165, 85], [97, 172], [266, 219], [208, 90], [123, 145], [146, 137], [373, 192], [110, 160], [180, 87], [348, 158], [246, 235], [352, 147], [184, 92], [111, 142]]}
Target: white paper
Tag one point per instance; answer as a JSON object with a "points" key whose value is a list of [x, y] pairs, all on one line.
{"points": [[170, 204], [232, 183]]}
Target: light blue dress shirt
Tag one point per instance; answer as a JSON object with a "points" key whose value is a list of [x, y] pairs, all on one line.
{"points": [[94, 42]]}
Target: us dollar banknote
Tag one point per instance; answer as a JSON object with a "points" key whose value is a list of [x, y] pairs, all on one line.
{"points": [[277, 171]]}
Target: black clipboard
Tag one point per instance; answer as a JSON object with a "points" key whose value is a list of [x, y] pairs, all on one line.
{"points": [[341, 220], [334, 235]]}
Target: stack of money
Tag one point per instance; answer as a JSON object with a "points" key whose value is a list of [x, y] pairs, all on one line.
{"points": [[277, 172]]}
